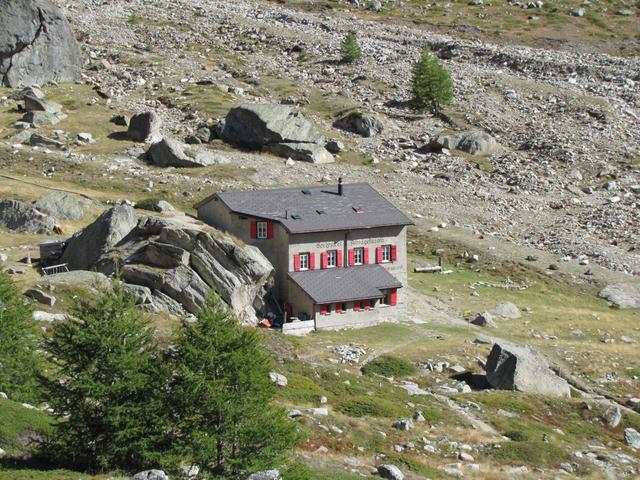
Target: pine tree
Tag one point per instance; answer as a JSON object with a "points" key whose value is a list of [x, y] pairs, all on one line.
{"points": [[107, 387], [350, 50], [19, 342], [431, 84], [224, 418]]}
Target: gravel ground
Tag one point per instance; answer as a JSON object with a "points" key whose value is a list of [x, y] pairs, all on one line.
{"points": [[568, 123]]}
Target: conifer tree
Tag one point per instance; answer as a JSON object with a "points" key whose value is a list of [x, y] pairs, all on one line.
{"points": [[432, 86], [107, 386], [224, 418], [350, 50], [19, 342]]}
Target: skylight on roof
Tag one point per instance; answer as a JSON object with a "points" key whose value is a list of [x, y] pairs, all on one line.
{"points": [[358, 209], [296, 216], [306, 191], [320, 212]]}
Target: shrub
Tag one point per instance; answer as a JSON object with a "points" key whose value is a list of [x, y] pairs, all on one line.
{"points": [[19, 341], [389, 366], [517, 435], [431, 84], [365, 406], [350, 50]]}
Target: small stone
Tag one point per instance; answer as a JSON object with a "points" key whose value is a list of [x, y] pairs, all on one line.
{"points": [[390, 472], [279, 379], [40, 296], [85, 138], [403, 425], [465, 457]]}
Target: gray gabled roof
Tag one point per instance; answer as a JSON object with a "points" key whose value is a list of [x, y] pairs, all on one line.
{"points": [[316, 209], [345, 284]]}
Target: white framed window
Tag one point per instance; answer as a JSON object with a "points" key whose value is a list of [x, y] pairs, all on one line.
{"points": [[332, 258], [304, 261], [386, 253], [358, 256], [261, 230]]}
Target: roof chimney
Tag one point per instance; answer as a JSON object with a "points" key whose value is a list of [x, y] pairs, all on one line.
{"points": [[340, 186]]}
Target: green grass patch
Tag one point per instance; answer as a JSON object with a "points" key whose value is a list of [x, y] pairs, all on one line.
{"points": [[18, 425], [531, 452], [12, 474], [389, 366], [632, 421], [134, 19], [370, 406], [509, 401], [301, 389]]}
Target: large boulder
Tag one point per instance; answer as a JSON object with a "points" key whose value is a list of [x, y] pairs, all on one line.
{"points": [[22, 217], [266, 475], [475, 142], [86, 246], [279, 129], [518, 367], [360, 123], [622, 295], [145, 127], [150, 475], [390, 472], [171, 153], [256, 125], [62, 205], [37, 44], [507, 310], [172, 262]]}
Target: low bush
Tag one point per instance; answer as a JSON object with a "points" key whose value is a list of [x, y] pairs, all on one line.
{"points": [[365, 406], [389, 366]]}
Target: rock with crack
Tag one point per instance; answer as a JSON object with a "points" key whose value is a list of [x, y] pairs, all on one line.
{"points": [[474, 142], [37, 44], [145, 127], [622, 295], [360, 123], [390, 472], [171, 153], [172, 262], [518, 367], [22, 217], [37, 140], [279, 129], [85, 247], [62, 205]]}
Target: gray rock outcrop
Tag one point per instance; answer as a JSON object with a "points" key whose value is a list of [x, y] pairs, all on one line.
{"points": [[145, 127], [622, 295], [62, 205], [484, 319], [360, 123], [85, 247], [517, 367], [632, 438], [37, 44], [22, 217], [474, 142], [171, 263], [266, 475], [279, 129], [506, 310], [390, 472], [171, 153], [150, 475]]}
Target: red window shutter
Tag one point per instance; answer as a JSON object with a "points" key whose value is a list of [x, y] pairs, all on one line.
{"points": [[378, 254], [340, 258], [351, 257], [367, 304], [323, 309], [254, 229], [366, 255], [324, 260], [270, 230], [312, 261], [356, 306], [393, 297], [394, 253], [338, 308], [296, 262]]}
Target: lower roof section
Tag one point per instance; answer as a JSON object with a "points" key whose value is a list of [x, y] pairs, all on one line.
{"points": [[345, 284]]}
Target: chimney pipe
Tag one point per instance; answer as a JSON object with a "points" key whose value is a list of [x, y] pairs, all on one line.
{"points": [[340, 186]]}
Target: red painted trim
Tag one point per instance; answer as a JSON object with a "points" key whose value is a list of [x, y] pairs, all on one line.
{"points": [[270, 230], [394, 253], [254, 229], [296, 262]]}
